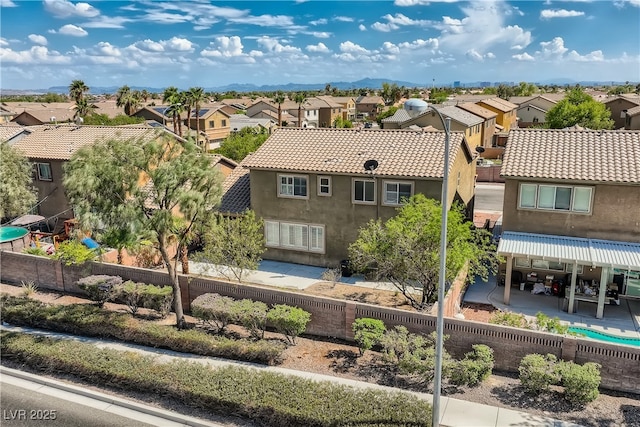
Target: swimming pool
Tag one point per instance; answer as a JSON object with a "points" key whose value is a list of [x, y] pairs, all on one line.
{"points": [[8, 234], [601, 336]]}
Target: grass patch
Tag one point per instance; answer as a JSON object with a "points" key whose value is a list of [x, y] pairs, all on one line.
{"points": [[270, 399]]}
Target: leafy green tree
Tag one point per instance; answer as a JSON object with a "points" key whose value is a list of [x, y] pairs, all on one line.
{"points": [[367, 333], [390, 93], [505, 92], [405, 250], [390, 112], [339, 122], [525, 89], [166, 187], [235, 243], [17, 194], [240, 144], [579, 108]]}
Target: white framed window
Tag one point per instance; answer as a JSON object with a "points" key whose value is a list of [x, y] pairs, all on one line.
{"points": [[292, 236], [522, 263], [212, 124], [396, 193], [555, 197], [44, 171], [292, 186], [569, 268], [324, 186], [272, 233], [364, 191]]}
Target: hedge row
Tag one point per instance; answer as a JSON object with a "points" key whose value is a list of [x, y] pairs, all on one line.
{"points": [[89, 320], [268, 398]]}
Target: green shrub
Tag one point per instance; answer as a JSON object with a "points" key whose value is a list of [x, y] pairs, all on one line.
{"points": [[100, 288], [252, 315], [507, 318], [266, 398], [158, 298], [214, 310], [89, 320], [581, 382], [73, 252], [35, 251], [476, 367], [538, 372], [289, 321], [548, 324], [367, 333], [130, 293]]}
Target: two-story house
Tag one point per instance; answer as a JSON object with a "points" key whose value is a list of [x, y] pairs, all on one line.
{"points": [[533, 112], [619, 106], [348, 104], [368, 107], [313, 191], [488, 130], [507, 112], [572, 205], [215, 125]]}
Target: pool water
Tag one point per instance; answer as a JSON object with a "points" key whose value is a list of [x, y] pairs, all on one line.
{"points": [[605, 337], [8, 234]]}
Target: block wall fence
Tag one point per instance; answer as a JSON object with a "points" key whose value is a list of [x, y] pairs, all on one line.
{"points": [[333, 318]]}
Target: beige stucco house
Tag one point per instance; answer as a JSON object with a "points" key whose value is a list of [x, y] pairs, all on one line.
{"points": [[572, 211], [619, 107], [312, 189], [505, 110]]}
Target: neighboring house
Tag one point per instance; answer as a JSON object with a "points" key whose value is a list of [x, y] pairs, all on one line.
{"points": [[157, 113], [369, 106], [348, 104], [506, 111], [311, 188], [45, 116], [329, 110], [572, 204], [533, 112], [260, 106], [241, 121], [236, 193], [488, 131], [107, 107], [619, 107], [632, 122], [215, 125]]}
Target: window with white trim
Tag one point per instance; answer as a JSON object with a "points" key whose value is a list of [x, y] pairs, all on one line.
{"points": [[364, 191], [44, 171], [292, 186], [324, 185], [555, 197], [396, 193], [300, 237]]}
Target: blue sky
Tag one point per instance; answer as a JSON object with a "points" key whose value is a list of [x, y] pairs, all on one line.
{"points": [[211, 44]]}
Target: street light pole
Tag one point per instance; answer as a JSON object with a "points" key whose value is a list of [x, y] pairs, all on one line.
{"points": [[437, 379]]}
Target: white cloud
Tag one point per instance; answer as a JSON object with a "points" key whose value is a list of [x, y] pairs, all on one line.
{"points": [[559, 13], [318, 48], [474, 55], [321, 35], [35, 55], [595, 56], [420, 2], [343, 19], [274, 45], [396, 21], [107, 49], [322, 21], [362, 27], [38, 39], [224, 47], [178, 44], [7, 3], [107, 22], [3, 42], [149, 46], [350, 47], [265, 20], [523, 57], [431, 44], [65, 9], [72, 30], [553, 50]]}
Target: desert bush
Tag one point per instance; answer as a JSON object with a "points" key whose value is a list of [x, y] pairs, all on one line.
{"points": [[130, 293], [581, 382], [29, 288], [158, 298], [252, 315], [367, 333], [213, 310], [265, 397], [538, 372], [35, 251], [100, 288], [508, 318], [476, 367], [73, 252], [289, 321], [550, 324]]}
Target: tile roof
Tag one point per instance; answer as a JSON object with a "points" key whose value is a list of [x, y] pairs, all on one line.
{"points": [[499, 104], [400, 153], [478, 110], [400, 116], [51, 115], [10, 130], [581, 155], [633, 111], [59, 142], [236, 192], [460, 115]]}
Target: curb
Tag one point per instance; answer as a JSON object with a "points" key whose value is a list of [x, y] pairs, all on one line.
{"points": [[113, 400]]}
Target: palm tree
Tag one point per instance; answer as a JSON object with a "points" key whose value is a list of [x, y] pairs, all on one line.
{"points": [[279, 99], [77, 88], [197, 96], [127, 99], [82, 108], [299, 99], [171, 96]]}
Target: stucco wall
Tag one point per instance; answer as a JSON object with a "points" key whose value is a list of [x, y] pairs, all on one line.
{"points": [[53, 190], [333, 318], [614, 214]]}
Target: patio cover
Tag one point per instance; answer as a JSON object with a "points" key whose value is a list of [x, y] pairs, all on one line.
{"points": [[592, 252]]}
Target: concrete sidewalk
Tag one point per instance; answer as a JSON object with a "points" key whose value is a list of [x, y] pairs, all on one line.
{"points": [[453, 412]]}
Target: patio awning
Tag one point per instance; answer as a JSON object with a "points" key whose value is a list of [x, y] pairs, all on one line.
{"points": [[592, 252]]}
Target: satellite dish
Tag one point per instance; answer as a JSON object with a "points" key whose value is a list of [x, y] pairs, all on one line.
{"points": [[371, 165], [79, 121], [479, 149]]}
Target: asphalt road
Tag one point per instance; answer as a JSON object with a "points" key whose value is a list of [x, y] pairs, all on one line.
{"points": [[489, 196]]}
